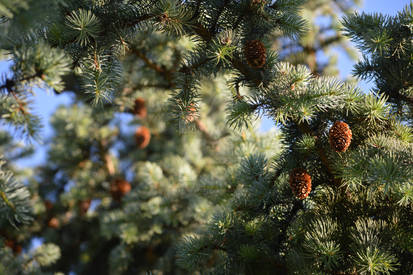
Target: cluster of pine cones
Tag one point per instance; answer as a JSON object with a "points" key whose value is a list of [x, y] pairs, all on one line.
{"points": [[340, 138], [300, 180]]}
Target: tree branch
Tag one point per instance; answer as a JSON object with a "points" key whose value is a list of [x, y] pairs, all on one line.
{"points": [[305, 129], [215, 22], [140, 19], [166, 74]]}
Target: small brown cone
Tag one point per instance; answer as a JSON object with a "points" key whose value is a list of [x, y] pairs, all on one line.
{"points": [[84, 206], [48, 205], [255, 53], [53, 223], [16, 248], [139, 108], [119, 188], [191, 116], [9, 243], [300, 183], [142, 137], [340, 136]]}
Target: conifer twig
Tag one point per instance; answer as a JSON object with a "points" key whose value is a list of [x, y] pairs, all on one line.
{"points": [[305, 129], [167, 75]]}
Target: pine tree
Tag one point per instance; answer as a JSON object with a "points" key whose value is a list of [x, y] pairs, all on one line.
{"points": [[146, 155], [142, 189], [353, 149]]}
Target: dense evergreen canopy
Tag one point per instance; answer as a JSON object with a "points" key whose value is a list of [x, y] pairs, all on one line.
{"points": [[157, 165]]}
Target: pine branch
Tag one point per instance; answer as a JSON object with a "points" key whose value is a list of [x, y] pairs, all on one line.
{"points": [[10, 83], [221, 9], [14, 198], [297, 206], [106, 158], [305, 129], [203, 129], [250, 75], [193, 67], [140, 19], [197, 12], [161, 69]]}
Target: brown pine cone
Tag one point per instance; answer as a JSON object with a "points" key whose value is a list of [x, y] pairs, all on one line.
{"points": [[255, 53], [16, 248], [53, 223], [300, 183], [142, 137], [340, 136], [48, 205], [119, 188], [84, 206], [139, 108]]}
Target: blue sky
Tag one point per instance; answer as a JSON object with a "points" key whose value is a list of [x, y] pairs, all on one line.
{"points": [[45, 102]]}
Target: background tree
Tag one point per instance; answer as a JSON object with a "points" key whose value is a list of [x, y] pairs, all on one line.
{"points": [[140, 183], [318, 46], [15, 211]]}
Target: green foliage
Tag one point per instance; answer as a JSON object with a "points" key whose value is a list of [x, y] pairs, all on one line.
{"points": [[14, 203], [389, 170], [173, 180], [239, 114], [85, 25], [40, 62], [8, 264], [172, 17], [387, 48], [93, 34], [101, 76], [294, 95], [46, 254], [38, 65], [119, 259], [7, 8], [30, 264], [317, 46], [154, 180], [369, 181], [15, 113], [320, 243]]}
